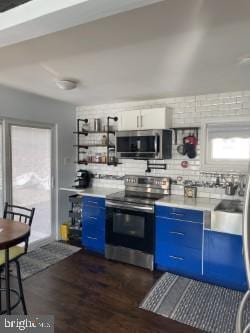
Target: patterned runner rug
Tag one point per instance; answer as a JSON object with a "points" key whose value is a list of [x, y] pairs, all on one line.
{"points": [[204, 306], [43, 257]]}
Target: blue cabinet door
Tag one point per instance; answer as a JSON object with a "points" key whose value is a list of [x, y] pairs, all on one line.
{"points": [[93, 224], [178, 241], [223, 260]]}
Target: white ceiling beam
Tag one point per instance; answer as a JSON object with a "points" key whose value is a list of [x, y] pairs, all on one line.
{"points": [[41, 17]]}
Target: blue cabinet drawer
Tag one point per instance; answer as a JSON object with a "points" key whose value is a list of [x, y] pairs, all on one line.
{"points": [[180, 214], [93, 243], [179, 233], [93, 213], [180, 260], [93, 234], [93, 201]]}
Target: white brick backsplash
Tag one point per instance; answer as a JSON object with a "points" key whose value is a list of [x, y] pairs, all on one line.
{"points": [[187, 111]]}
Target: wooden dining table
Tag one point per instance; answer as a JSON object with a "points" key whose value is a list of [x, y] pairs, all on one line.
{"points": [[11, 234]]}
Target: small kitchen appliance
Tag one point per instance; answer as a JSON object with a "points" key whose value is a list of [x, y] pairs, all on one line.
{"points": [[83, 179], [130, 218], [143, 145]]}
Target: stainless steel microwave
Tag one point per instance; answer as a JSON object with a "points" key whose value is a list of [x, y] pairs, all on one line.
{"points": [[143, 145]]}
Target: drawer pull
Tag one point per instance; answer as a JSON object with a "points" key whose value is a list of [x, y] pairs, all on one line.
{"points": [[177, 233], [92, 218], [176, 258], [93, 202], [93, 238], [177, 214]]}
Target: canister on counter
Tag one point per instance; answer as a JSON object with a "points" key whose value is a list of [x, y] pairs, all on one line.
{"points": [[190, 191]]}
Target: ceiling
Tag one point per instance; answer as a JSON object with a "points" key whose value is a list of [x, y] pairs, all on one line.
{"points": [[9, 4], [172, 48]]}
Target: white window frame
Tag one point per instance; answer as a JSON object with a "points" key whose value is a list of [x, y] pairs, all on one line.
{"points": [[207, 164]]}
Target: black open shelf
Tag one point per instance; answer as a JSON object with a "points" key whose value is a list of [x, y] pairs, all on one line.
{"points": [[81, 146], [102, 163], [93, 132], [93, 145]]}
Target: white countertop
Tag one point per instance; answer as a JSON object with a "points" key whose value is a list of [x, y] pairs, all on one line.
{"points": [[179, 201], [101, 192]]}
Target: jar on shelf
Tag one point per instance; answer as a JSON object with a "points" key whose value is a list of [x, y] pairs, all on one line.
{"points": [[104, 158], [85, 127], [98, 158], [112, 157], [104, 140]]}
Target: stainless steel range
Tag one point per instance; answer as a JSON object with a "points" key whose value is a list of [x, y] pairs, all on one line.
{"points": [[130, 224]]}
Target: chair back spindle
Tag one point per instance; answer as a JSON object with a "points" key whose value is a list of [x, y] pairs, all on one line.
{"points": [[19, 214]]}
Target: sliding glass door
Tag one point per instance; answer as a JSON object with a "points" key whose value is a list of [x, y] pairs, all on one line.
{"points": [[1, 170], [31, 165]]}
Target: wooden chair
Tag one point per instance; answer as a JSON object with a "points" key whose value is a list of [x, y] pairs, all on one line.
{"points": [[22, 215]]}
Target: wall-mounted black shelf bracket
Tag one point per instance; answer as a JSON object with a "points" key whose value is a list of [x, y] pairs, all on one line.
{"points": [[81, 146], [155, 166], [190, 128]]}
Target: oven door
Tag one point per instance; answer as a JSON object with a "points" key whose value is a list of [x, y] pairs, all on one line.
{"points": [[130, 228]]}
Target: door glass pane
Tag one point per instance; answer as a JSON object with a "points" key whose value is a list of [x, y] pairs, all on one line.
{"points": [[130, 225], [136, 144], [31, 175]]}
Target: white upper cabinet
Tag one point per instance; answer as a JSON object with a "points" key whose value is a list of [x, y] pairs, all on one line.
{"points": [[129, 120], [158, 118]]}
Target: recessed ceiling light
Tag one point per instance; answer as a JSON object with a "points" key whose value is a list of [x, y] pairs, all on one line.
{"points": [[66, 84]]}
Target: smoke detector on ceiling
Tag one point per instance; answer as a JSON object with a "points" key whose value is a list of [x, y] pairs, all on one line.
{"points": [[66, 84]]}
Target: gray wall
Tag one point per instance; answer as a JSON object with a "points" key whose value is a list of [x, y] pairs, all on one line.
{"points": [[24, 106]]}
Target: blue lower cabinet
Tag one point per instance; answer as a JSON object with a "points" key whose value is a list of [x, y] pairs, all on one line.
{"points": [[178, 243], [180, 260], [223, 260], [93, 226]]}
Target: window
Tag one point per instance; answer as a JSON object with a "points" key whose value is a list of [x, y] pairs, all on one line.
{"points": [[226, 145]]}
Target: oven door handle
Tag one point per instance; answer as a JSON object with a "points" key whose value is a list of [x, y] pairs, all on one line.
{"points": [[136, 208]]}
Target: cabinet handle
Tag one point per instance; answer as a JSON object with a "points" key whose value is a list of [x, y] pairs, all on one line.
{"points": [[176, 258], [177, 214], [92, 218], [93, 202], [141, 121], [137, 121], [177, 233], [93, 238]]}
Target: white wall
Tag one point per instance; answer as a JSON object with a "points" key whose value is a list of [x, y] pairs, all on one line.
{"points": [[187, 111], [24, 106]]}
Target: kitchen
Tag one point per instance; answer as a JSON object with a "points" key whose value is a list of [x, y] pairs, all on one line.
{"points": [[147, 161], [177, 214]]}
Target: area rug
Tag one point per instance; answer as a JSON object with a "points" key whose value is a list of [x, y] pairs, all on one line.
{"points": [[41, 258], [204, 306]]}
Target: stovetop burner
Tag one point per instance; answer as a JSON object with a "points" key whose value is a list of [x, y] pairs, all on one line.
{"points": [[135, 197], [142, 190]]}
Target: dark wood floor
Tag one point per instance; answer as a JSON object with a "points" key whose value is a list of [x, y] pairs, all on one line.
{"points": [[87, 293]]}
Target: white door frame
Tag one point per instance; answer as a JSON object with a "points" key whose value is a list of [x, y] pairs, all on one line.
{"points": [[7, 164]]}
